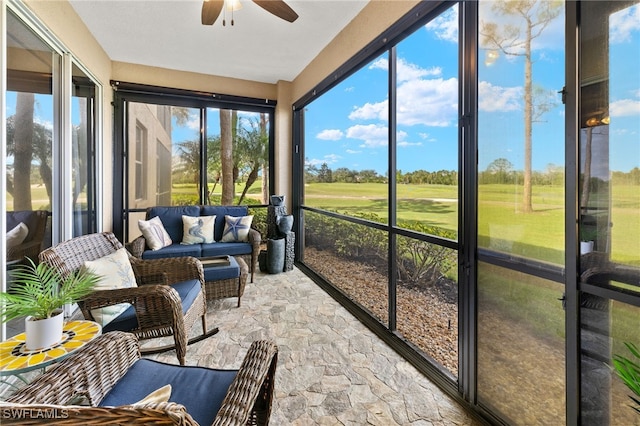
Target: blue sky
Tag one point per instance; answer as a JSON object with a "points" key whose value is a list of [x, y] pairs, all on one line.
{"points": [[347, 127]]}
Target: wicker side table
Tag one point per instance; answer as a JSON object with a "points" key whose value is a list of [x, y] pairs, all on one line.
{"points": [[226, 281]]}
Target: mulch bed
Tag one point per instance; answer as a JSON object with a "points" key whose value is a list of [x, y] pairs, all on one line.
{"points": [[427, 315]]}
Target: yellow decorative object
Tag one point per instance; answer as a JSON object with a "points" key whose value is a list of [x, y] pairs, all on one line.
{"points": [[16, 359]]}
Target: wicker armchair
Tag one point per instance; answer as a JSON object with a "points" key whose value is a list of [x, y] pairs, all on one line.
{"points": [[158, 307], [95, 370], [36, 221]]}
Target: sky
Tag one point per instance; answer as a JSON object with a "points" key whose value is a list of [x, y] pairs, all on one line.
{"points": [[348, 126]]}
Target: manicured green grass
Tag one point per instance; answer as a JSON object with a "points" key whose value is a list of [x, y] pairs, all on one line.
{"points": [[501, 223]]}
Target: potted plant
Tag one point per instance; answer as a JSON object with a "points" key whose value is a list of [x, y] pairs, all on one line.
{"points": [[629, 372], [39, 293], [587, 238]]}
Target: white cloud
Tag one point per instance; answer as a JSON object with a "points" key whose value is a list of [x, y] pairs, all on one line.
{"points": [[497, 98], [406, 144], [330, 135], [431, 102], [369, 111], [406, 71], [623, 23], [353, 151], [194, 122], [624, 107], [373, 135], [349, 89], [47, 124], [445, 26], [329, 159]]}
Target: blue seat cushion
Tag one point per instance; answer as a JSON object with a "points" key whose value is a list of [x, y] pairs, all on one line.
{"points": [[220, 249], [127, 321], [201, 390], [174, 250], [214, 273]]}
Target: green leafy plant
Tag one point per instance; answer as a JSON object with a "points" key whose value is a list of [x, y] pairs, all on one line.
{"points": [[39, 291], [629, 372]]}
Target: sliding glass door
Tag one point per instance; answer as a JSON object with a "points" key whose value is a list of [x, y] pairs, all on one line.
{"points": [[609, 205], [521, 320], [181, 150]]}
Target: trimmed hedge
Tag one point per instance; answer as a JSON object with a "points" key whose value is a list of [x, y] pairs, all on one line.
{"points": [[418, 261]]}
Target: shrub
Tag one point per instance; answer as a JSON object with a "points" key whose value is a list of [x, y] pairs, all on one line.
{"points": [[417, 260]]}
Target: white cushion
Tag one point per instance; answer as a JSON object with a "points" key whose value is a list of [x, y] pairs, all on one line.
{"points": [[115, 272], [198, 230], [236, 229], [17, 235], [157, 396], [155, 234]]}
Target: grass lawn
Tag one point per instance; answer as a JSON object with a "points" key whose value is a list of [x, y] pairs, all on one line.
{"points": [[501, 222]]}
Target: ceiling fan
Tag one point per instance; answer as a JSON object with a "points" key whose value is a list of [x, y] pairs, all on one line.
{"points": [[211, 10]]}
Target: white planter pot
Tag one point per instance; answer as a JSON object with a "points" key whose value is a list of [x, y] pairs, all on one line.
{"points": [[586, 247], [43, 333]]}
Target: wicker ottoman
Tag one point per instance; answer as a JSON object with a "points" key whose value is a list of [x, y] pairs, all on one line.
{"points": [[224, 276]]}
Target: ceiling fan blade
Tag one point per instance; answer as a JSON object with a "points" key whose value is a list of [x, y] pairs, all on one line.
{"points": [[278, 8], [211, 10]]}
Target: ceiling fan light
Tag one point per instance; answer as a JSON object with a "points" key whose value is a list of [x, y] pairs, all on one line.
{"points": [[233, 5]]}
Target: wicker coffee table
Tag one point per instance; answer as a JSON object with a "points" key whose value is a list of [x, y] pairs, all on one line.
{"points": [[224, 276]]}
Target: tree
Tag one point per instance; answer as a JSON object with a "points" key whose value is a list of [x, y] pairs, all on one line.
{"points": [[226, 157], [324, 174], [265, 165], [536, 16], [500, 168], [188, 169], [27, 140], [252, 147], [23, 151]]}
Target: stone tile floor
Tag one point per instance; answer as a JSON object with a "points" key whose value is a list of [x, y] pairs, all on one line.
{"points": [[331, 369]]}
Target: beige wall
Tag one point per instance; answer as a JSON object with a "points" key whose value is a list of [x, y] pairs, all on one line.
{"points": [[60, 17]]}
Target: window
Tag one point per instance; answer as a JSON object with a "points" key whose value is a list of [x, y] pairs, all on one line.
{"points": [[186, 150], [380, 194], [47, 167], [140, 162], [521, 209]]}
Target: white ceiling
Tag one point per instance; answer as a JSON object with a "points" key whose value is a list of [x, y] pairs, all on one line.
{"points": [[259, 47]]}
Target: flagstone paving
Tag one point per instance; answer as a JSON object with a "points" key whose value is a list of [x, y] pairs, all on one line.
{"points": [[331, 369]]}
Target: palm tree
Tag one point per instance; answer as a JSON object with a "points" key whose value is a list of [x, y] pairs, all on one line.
{"points": [[251, 149], [226, 157]]}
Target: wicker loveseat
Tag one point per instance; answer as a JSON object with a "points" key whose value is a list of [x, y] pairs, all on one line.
{"points": [[171, 218], [106, 374]]}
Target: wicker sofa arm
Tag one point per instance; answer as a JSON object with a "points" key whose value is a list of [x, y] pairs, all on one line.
{"points": [[137, 246], [250, 396], [92, 371], [254, 236], [166, 413]]}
